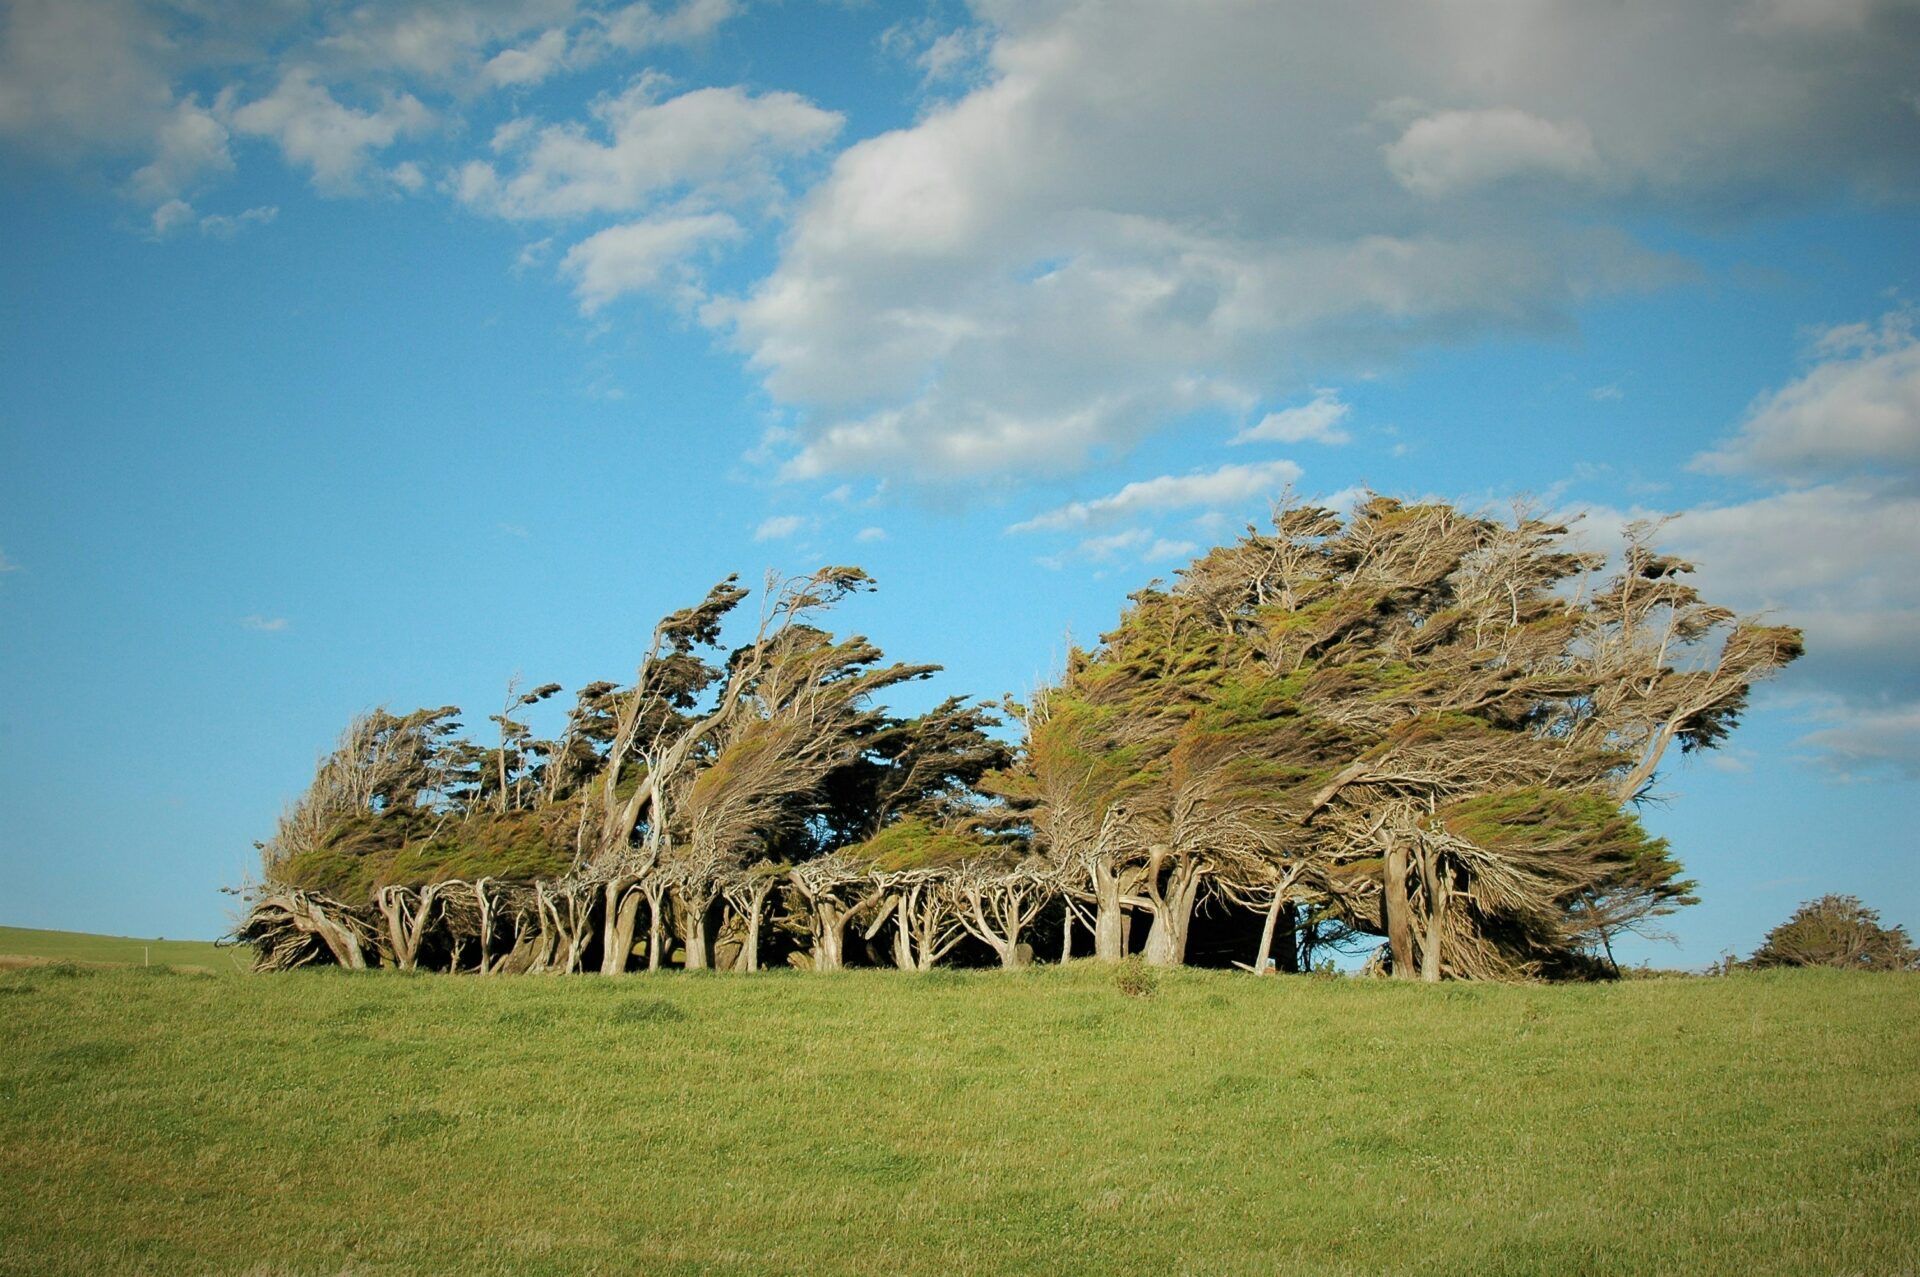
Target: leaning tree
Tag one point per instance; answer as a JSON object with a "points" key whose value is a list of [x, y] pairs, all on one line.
{"points": [[1433, 723]]}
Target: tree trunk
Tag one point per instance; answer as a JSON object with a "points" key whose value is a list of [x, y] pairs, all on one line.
{"points": [[829, 937], [1398, 911], [697, 930], [656, 930], [1109, 917], [1173, 918], [337, 936], [1435, 892], [750, 947], [1263, 955], [903, 956], [486, 923], [623, 914]]}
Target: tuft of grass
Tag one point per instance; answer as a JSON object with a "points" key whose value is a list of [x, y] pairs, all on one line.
{"points": [[648, 1011], [987, 1122], [1135, 978]]}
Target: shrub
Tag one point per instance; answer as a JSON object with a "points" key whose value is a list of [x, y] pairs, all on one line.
{"points": [[1837, 931]]}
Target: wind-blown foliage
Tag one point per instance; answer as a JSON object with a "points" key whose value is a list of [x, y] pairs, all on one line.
{"points": [[1410, 722]]}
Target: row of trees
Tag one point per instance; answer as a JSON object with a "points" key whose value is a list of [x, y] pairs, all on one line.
{"points": [[1411, 722]]}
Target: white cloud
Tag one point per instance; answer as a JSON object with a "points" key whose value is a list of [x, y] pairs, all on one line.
{"points": [[779, 528], [7, 565], [639, 255], [1608, 393], [1227, 485], [170, 217], [871, 534], [529, 64], [227, 225], [1164, 550], [934, 438], [1317, 421], [1144, 208], [1870, 741], [265, 624], [433, 40], [1113, 544], [1860, 405], [1451, 151], [191, 144], [640, 26], [533, 254], [332, 140], [719, 142]]}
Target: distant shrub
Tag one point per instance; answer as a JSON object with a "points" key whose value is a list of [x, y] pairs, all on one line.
{"points": [[1135, 978], [1837, 931]]}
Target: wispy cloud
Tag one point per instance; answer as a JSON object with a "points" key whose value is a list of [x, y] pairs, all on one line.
{"points": [[779, 528], [1315, 422], [871, 534], [1227, 485], [264, 624]]}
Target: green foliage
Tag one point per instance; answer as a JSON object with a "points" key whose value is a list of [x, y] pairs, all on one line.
{"points": [[913, 843], [412, 847], [1536, 819]]}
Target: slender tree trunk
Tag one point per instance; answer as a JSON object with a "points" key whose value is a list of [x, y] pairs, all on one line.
{"points": [[656, 930], [1262, 955], [1395, 906], [486, 922], [1066, 932], [1435, 891], [903, 956], [1109, 916]]}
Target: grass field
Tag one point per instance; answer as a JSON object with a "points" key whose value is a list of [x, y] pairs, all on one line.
{"points": [[78, 946], [955, 1123]]}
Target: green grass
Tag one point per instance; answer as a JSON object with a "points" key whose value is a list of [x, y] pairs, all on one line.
{"points": [[956, 1123], [78, 946]]}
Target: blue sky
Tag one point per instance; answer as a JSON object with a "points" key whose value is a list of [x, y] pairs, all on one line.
{"points": [[362, 354]]}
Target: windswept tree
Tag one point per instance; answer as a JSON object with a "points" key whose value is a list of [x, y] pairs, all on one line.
{"points": [[717, 775], [1426, 720]]}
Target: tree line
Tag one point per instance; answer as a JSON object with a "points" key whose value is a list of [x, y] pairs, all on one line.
{"points": [[1409, 723]]}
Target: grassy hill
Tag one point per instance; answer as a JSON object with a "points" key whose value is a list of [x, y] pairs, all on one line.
{"points": [[962, 1122], [78, 946]]}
